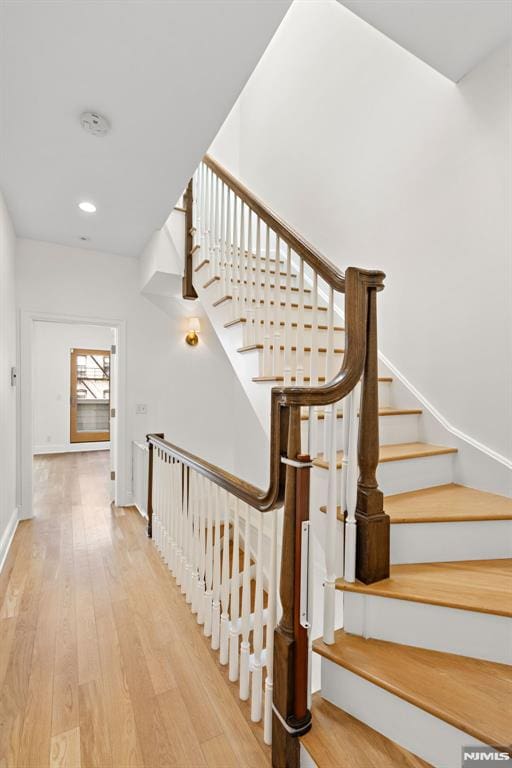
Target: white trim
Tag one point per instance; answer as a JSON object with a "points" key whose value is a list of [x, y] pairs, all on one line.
{"points": [[120, 458], [442, 420], [7, 537], [71, 448]]}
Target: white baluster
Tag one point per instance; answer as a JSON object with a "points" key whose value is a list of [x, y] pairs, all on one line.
{"points": [[276, 357], [252, 284], [228, 271], [156, 493], [224, 618], [216, 572], [235, 597], [258, 293], [208, 595], [235, 279], [271, 624], [246, 609], [330, 528], [257, 671], [216, 228], [288, 330], [195, 538], [299, 371], [184, 535], [267, 359], [189, 551], [201, 484]]}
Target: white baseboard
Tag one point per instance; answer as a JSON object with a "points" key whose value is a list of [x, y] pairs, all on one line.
{"points": [[71, 448], [7, 537]]}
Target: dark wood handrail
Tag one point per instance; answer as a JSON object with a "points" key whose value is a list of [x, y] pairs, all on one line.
{"points": [[322, 266]]}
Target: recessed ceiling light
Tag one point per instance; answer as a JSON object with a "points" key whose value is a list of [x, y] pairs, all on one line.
{"points": [[87, 207]]}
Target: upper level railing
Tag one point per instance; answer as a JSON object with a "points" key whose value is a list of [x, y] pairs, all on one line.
{"points": [[284, 292]]}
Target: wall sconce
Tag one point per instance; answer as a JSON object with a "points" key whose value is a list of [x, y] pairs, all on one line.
{"points": [[194, 327]]}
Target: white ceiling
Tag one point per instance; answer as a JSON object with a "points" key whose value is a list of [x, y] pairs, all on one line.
{"points": [[164, 72], [450, 35]]}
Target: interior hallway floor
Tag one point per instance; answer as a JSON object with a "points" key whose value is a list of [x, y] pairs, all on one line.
{"points": [[102, 664]]}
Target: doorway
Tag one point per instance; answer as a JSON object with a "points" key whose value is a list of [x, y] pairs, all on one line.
{"points": [[71, 395]]}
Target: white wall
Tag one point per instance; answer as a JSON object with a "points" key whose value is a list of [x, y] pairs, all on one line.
{"points": [[188, 391], [382, 162], [7, 393], [52, 343]]}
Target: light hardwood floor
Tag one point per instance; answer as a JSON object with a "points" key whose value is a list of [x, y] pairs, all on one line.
{"points": [[102, 665]]}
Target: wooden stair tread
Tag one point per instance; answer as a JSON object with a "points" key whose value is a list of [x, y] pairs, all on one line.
{"points": [[260, 347], [229, 297], [469, 694], [484, 586], [385, 411], [282, 324], [338, 740], [395, 452], [446, 504], [449, 503]]}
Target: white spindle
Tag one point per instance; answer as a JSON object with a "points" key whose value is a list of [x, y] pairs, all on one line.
{"points": [[216, 571], [201, 582], [330, 528], [271, 623], [288, 329], [208, 595], [224, 592], [299, 353], [235, 597], [276, 357], [257, 671], [235, 279], [245, 651], [267, 359]]}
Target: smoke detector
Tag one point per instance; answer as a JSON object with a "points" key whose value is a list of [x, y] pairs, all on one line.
{"points": [[94, 123]]}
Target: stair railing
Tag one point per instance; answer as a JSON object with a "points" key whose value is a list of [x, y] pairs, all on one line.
{"points": [[239, 552]]}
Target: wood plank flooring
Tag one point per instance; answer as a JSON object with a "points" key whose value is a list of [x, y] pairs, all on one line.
{"points": [[102, 665]]}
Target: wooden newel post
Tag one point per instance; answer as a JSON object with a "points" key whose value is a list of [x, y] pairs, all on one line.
{"points": [[189, 292], [150, 482], [372, 550], [291, 717]]}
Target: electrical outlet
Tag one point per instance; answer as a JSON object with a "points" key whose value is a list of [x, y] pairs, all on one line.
{"points": [[141, 409]]}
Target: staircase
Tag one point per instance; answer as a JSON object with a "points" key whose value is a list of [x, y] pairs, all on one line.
{"points": [[411, 633]]}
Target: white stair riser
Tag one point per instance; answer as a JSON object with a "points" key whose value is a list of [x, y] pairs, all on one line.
{"points": [[408, 475], [392, 429], [427, 736], [442, 542], [321, 339], [439, 628]]}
